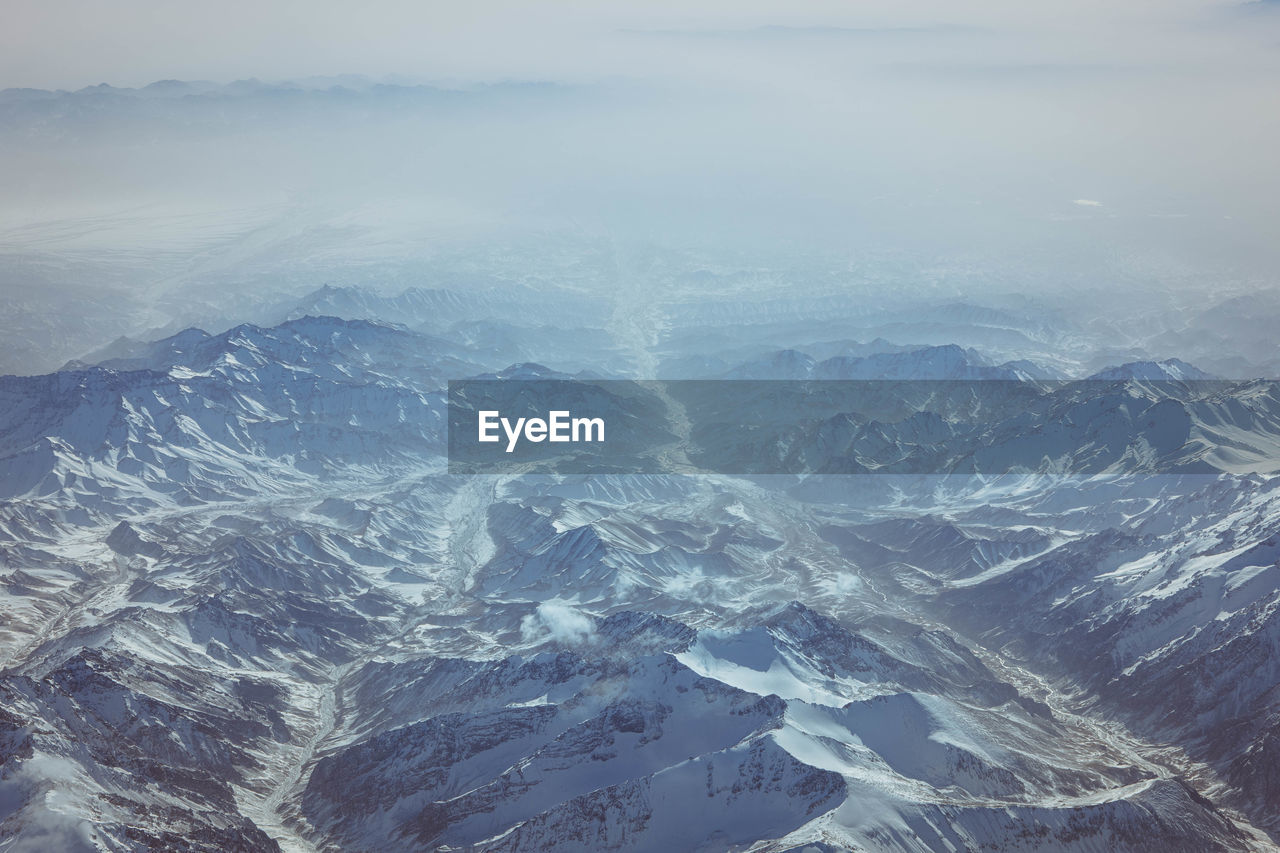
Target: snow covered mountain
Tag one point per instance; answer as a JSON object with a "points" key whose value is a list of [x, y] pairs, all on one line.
{"points": [[252, 411], [1170, 368], [247, 610], [940, 362]]}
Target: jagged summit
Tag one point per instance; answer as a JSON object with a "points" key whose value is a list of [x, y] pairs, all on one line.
{"points": [[1170, 368]]}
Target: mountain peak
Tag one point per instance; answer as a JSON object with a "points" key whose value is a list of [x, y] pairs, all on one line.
{"points": [[1169, 368]]}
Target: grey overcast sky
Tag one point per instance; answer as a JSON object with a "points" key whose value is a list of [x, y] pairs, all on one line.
{"points": [[1051, 143], [73, 43], [809, 114]]}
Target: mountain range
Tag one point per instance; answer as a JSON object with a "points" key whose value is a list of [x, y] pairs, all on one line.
{"points": [[248, 609]]}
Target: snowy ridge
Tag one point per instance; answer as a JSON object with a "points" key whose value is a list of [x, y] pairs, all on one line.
{"points": [[248, 611]]}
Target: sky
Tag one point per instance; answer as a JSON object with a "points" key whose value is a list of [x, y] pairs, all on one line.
{"points": [[1092, 130], [1031, 147], [74, 43], [1150, 107]]}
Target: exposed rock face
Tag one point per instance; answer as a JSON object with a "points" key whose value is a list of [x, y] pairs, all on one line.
{"points": [[246, 610]]}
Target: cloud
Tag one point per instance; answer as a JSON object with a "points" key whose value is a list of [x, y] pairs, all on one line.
{"points": [[559, 621], [24, 803], [1087, 202]]}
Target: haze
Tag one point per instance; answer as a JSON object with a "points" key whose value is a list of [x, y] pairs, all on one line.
{"points": [[977, 149]]}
